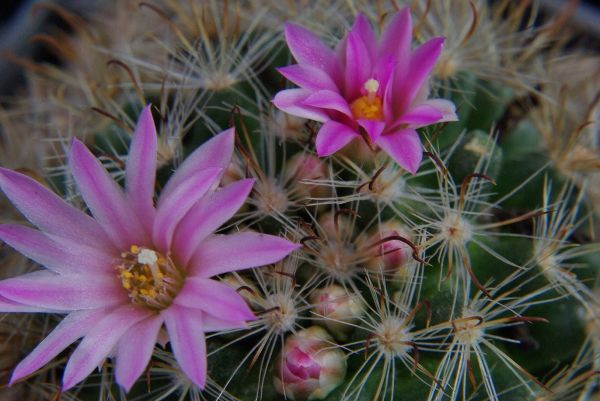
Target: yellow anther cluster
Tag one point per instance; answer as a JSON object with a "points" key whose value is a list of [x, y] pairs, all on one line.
{"points": [[368, 108], [150, 279]]}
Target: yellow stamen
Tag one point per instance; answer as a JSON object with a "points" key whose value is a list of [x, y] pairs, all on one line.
{"points": [[368, 107], [142, 273]]}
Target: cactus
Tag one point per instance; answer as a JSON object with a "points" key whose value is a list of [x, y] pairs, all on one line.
{"points": [[314, 200]]}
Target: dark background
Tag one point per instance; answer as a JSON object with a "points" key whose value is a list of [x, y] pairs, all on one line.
{"points": [[18, 23]]}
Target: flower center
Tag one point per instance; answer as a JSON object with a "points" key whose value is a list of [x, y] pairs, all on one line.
{"points": [[150, 279], [368, 107]]}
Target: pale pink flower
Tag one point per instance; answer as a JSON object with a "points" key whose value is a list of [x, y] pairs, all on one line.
{"points": [[367, 87], [309, 367], [134, 267]]}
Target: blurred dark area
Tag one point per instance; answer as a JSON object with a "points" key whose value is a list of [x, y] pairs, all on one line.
{"points": [[20, 20]]}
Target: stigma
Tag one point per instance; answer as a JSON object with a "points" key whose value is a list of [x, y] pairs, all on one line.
{"points": [[150, 279], [368, 106]]}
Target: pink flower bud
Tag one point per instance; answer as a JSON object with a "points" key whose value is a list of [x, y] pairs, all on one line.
{"points": [[309, 367], [340, 309], [303, 166], [286, 126], [392, 254], [345, 228]]}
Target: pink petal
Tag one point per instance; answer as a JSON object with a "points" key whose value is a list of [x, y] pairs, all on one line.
{"points": [[308, 49], [422, 62], [57, 254], [421, 116], [331, 100], [374, 128], [8, 306], [225, 253], [394, 48], [404, 147], [213, 323], [104, 198], [214, 298], [307, 77], [206, 216], [141, 168], [177, 203], [75, 325], [186, 334], [358, 65], [363, 30], [397, 36], [292, 101], [63, 292], [332, 137], [214, 153], [100, 341], [446, 107], [49, 212], [134, 350]]}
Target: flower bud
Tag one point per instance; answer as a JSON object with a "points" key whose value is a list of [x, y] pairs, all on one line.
{"points": [[286, 126], [327, 223], [339, 308], [392, 254], [303, 166], [309, 368]]}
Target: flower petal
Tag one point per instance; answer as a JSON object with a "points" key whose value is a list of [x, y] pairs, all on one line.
{"points": [[394, 48], [422, 62], [446, 107], [177, 203], [363, 30], [208, 215], [141, 168], [421, 116], [75, 325], [104, 198], [292, 101], [397, 36], [100, 341], [332, 137], [374, 128], [57, 254], [134, 350], [404, 147], [186, 334], [358, 65], [308, 77], [63, 292], [308, 49], [225, 253], [214, 153], [326, 99], [48, 211], [8, 306], [214, 298]]}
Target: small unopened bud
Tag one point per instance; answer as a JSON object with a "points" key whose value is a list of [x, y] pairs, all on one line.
{"points": [[344, 229], [303, 166], [392, 254], [309, 368], [287, 127], [233, 172], [339, 309], [359, 152]]}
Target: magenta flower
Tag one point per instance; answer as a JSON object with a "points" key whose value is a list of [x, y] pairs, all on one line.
{"points": [[133, 267], [369, 88]]}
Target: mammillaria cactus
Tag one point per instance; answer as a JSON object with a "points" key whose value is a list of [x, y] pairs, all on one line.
{"points": [[313, 200]]}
